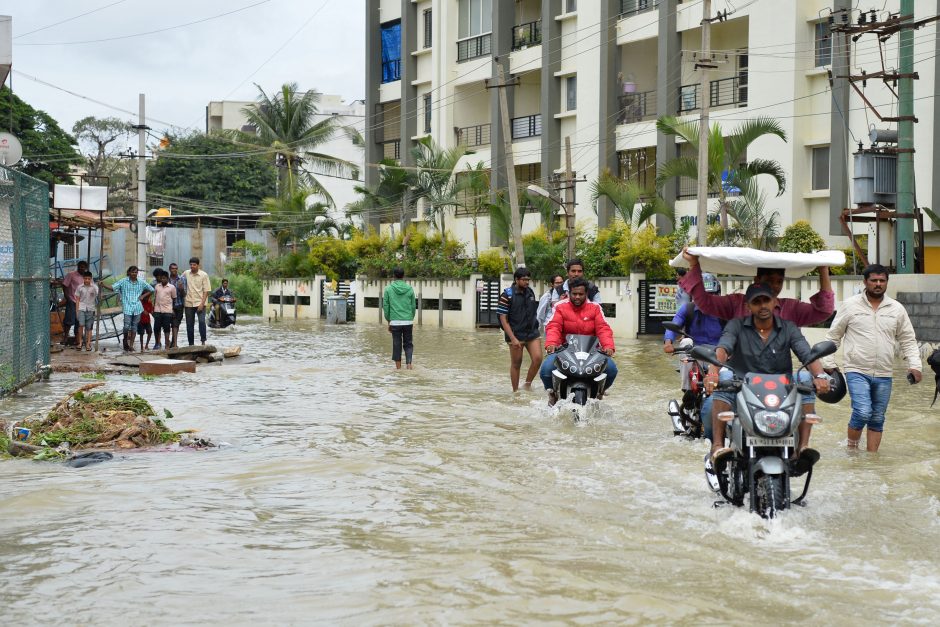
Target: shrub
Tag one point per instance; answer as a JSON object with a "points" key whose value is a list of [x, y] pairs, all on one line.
{"points": [[544, 257], [599, 253], [644, 249], [848, 267], [247, 289], [332, 258], [493, 262], [800, 237]]}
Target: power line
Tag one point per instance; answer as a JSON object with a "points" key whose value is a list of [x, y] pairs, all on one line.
{"points": [[69, 19]]}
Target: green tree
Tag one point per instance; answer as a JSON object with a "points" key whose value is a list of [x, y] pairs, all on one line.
{"points": [[391, 196], [752, 226], [727, 167], [47, 149], [473, 188], [100, 140], [625, 196], [286, 126], [292, 216], [435, 179], [800, 237], [181, 172]]}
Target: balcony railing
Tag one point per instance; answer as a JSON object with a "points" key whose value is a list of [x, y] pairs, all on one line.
{"points": [[526, 35], [687, 188], [391, 70], [391, 149], [473, 47], [723, 92], [637, 106], [527, 126], [471, 136], [635, 7]]}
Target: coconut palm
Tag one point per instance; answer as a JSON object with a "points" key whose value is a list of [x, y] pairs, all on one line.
{"points": [[752, 225], [435, 179], [473, 188], [391, 196], [285, 124], [625, 195], [291, 217], [727, 169]]}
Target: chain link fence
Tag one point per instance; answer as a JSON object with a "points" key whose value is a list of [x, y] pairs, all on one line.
{"points": [[24, 279]]}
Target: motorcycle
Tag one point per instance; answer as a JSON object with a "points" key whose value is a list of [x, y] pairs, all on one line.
{"points": [[579, 369], [762, 431], [686, 415], [225, 316]]}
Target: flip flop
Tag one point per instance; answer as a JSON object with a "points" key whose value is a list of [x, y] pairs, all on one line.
{"points": [[804, 462]]}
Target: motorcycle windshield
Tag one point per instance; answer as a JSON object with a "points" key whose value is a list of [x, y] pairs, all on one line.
{"points": [[581, 343], [770, 389]]}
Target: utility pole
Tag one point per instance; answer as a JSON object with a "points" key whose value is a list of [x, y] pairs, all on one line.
{"points": [[513, 191], [704, 64], [904, 234], [142, 129], [569, 198]]}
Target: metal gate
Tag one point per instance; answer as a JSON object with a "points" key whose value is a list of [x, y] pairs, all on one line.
{"points": [[24, 279], [657, 305], [342, 289], [487, 299]]}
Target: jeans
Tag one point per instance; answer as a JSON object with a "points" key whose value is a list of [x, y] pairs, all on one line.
{"points": [[706, 416], [191, 314], [870, 396], [402, 337], [548, 364]]}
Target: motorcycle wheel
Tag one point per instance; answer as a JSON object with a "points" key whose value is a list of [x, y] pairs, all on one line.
{"points": [[770, 495], [580, 396]]}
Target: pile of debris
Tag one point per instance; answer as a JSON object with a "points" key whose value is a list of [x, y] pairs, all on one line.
{"points": [[97, 421]]}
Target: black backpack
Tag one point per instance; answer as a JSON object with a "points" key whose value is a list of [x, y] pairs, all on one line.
{"points": [[934, 362]]}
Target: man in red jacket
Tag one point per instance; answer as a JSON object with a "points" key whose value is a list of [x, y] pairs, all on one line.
{"points": [[576, 316]]}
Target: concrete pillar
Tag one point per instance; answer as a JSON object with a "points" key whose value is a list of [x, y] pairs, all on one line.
{"points": [[504, 18], [838, 124], [607, 103], [668, 77], [551, 88], [373, 78]]}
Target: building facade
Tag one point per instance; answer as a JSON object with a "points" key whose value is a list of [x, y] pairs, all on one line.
{"points": [[601, 72], [227, 114]]}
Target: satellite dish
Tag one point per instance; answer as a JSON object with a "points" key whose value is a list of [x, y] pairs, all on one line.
{"points": [[11, 150]]}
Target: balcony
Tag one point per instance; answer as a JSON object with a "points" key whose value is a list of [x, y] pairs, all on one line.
{"points": [[635, 7], [471, 136], [474, 47], [724, 92], [637, 106], [527, 126], [526, 35]]}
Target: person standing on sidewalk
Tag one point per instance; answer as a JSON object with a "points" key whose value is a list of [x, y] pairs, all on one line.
{"points": [[871, 325], [398, 303], [179, 302], [517, 310], [197, 292]]}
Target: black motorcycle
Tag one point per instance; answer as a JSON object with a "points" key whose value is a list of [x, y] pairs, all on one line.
{"points": [[686, 414], [580, 369], [762, 432]]}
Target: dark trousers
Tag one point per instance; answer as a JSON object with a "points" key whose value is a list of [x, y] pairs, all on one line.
{"points": [[191, 314], [402, 337]]}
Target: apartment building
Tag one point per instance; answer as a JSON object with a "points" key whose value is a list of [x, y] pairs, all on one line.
{"points": [[227, 114], [600, 72]]}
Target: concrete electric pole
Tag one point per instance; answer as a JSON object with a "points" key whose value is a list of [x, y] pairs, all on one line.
{"points": [[904, 234], [569, 198], [704, 64], [142, 129], [513, 190]]}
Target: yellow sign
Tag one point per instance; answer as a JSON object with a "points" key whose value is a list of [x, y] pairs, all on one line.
{"points": [[664, 299]]}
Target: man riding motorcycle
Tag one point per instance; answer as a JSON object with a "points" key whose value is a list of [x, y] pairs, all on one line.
{"points": [[576, 316]]}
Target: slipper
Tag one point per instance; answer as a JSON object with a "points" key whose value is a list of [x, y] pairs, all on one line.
{"points": [[719, 455], [804, 462]]}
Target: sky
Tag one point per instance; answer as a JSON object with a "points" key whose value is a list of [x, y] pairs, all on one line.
{"points": [[186, 65]]}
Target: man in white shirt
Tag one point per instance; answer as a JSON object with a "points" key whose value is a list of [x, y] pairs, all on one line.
{"points": [[198, 289]]}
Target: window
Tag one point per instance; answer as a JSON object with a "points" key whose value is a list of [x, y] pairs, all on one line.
{"points": [[233, 236], [821, 167], [475, 17], [571, 93], [391, 51], [427, 113], [639, 165], [427, 28], [571, 6], [823, 44]]}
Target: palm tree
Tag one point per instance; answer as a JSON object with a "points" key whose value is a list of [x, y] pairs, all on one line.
{"points": [[435, 179], [285, 124], [291, 217], [625, 195], [752, 225], [727, 168], [391, 194], [473, 188]]}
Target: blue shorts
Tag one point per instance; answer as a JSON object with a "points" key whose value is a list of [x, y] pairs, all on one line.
{"points": [[130, 322]]}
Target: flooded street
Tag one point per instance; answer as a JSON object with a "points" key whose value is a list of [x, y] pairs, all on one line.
{"points": [[354, 494]]}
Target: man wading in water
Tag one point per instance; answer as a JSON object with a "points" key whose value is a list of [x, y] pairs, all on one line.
{"points": [[517, 310]]}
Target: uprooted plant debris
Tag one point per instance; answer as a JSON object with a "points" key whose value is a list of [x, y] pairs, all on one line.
{"points": [[96, 420]]}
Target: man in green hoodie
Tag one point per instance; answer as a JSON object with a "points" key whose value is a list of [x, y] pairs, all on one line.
{"points": [[398, 303]]}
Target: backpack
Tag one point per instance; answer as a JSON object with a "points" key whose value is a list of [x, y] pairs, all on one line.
{"points": [[934, 362]]}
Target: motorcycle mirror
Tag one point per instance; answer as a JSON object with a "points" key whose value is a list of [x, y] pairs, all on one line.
{"points": [[675, 328], [706, 354], [822, 349]]}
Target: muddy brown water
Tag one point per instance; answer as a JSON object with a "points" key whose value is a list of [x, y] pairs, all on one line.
{"points": [[354, 494]]}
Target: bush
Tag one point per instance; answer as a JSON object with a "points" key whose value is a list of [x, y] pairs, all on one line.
{"points": [[644, 250], [544, 257], [599, 253], [493, 262], [332, 258], [848, 267], [248, 290], [800, 237]]}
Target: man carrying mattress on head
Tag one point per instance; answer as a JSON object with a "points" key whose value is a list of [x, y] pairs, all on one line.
{"points": [[731, 306]]}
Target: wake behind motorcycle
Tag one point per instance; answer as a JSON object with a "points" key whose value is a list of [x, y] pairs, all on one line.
{"points": [[762, 431], [579, 369]]}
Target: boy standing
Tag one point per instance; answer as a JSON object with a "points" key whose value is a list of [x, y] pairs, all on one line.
{"points": [[86, 301], [163, 297], [144, 325]]}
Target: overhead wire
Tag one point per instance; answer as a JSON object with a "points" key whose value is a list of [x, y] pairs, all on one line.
{"points": [[69, 19]]}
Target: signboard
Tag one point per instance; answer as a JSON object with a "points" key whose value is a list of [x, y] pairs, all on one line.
{"points": [[657, 304], [664, 299], [80, 197]]}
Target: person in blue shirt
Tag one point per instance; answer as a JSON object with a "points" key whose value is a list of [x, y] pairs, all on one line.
{"points": [[703, 329]]}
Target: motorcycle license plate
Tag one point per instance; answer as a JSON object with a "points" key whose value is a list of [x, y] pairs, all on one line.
{"points": [[756, 441]]}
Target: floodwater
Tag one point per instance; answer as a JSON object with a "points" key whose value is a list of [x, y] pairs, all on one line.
{"points": [[354, 494]]}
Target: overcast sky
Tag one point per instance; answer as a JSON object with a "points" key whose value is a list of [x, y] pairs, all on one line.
{"points": [[181, 69]]}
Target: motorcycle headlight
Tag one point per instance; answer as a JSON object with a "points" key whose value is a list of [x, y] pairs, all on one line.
{"points": [[771, 423]]}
